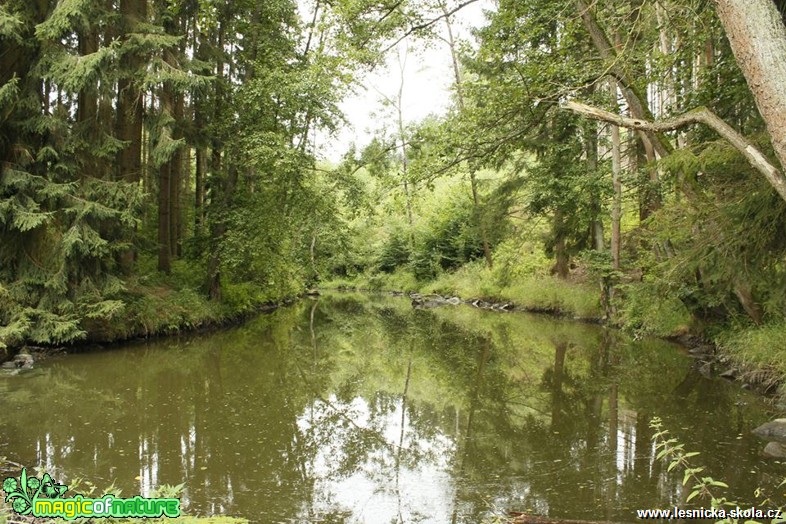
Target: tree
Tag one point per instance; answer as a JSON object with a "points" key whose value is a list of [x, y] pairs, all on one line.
{"points": [[757, 36]]}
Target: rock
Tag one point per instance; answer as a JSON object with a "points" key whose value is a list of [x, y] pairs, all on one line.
{"points": [[774, 430], [774, 450], [730, 374], [454, 301], [705, 368], [20, 361], [421, 303], [701, 351], [24, 360]]}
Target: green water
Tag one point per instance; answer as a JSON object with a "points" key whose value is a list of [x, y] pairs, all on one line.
{"points": [[358, 408]]}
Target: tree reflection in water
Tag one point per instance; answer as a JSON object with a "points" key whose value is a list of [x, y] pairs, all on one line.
{"points": [[360, 409]]}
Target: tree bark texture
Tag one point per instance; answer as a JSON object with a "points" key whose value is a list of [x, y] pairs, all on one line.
{"points": [[758, 40], [130, 105]]}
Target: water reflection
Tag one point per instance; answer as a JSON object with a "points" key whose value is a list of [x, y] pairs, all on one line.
{"points": [[360, 409]]}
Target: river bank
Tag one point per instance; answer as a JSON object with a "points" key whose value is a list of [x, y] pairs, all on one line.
{"points": [[753, 355], [151, 312]]}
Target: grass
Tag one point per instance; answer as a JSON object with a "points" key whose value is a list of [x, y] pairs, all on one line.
{"points": [[758, 351], [537, 292]]}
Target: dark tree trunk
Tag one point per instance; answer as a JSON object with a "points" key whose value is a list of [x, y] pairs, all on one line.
{"points": [[164, 241], [130, 104], [175, 182]]}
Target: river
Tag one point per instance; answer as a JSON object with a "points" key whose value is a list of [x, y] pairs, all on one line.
{"points": [[359, 408]]}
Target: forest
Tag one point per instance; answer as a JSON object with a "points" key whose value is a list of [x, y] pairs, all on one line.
{"points": [[616, 166], [619, 160]]}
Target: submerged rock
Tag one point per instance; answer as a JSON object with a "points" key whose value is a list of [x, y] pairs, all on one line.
{"points": [[774, 430], [21, 361]]}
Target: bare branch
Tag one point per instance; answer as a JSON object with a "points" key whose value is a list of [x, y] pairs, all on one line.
{"points": [[429, 23], [700, 115]]}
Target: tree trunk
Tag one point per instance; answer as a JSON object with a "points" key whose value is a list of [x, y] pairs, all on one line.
{"points": [[616, 209], [164, 241], [561, 266], [199, 188], [758, 40], [218, 229], [591, 152], [87, 105], [130, 104], [175, 182], [402, 137], [472, 178]]}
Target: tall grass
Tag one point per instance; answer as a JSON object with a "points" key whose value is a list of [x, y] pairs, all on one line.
{"points": [[533, 292], [759, 352]]}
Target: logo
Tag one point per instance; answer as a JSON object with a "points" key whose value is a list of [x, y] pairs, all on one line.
{"points": [[44, 497]]}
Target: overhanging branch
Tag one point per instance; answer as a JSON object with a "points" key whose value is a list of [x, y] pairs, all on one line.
{"points": [[700, 115]]}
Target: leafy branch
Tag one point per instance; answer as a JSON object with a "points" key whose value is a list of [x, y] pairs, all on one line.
{"points": [[669, 449]]}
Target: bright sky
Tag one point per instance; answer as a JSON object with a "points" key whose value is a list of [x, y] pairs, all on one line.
{"points": [[428, 78]]}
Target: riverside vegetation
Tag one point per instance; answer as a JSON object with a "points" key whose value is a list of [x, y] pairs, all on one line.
{"points": [[618, 159]]}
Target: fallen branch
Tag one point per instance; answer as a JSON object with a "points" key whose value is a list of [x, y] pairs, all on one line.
{"points": [[524, 518], [700, 115]]}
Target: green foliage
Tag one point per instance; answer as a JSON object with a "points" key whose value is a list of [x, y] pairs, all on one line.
{"points": [[701, 487], [645, 308], [395, 251]]}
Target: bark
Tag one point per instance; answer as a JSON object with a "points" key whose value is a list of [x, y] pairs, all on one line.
{"points": [[743, 293], [650, 196], [616, 209], [758, 40], [219, 230], [700, 115], [219, 227], [199, 188], [591, 151], [175, 182], [164, 241], [130, 105], [87, 104]]}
